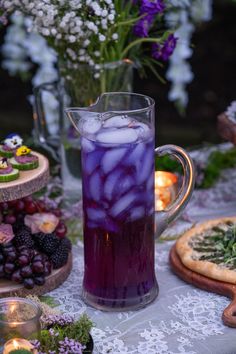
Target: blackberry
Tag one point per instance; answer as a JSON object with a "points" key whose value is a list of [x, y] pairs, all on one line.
{"points": [[23, 238], [60, 257], [39, 239], [66, 243], [49, 244]]}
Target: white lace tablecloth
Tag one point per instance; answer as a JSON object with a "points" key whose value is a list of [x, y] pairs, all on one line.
{"points": [[183, 319]]}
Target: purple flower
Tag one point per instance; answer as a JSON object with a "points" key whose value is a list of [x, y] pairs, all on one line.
{"points": [[152, 7], [165, 50], [70, 346], [142, 27]]}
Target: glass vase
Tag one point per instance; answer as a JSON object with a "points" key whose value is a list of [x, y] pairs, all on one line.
{"points": [[78, 86]]}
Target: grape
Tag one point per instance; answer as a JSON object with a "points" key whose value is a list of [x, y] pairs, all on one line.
{"points": [[1, 258], [23, 260], [12, 203], [38, 257], [31, 207], [38, 267], [41, 206], [2, 271], [28, 199], [11, 256], [61, 230], [28, 283], [20, 205], [47, 268], [39, 280], [8, 250], [57, 212], [16, 276], [10, 219], [9, 268], [26, 271], [4, 206]]}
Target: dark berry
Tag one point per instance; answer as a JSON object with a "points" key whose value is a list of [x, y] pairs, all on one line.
{"points": [[50, 244], [1, 258], [39, 239], [61, 230], [28, 283], [2, 271], [10, 219], [23, 238], [66, 243], [38, 257], [31, 207], [38, 267], [9, 268], [39, 280], [60, 257], [47, 268], [20, 205], [16, 276], [11, 256], [26, 271], [23, 260]]}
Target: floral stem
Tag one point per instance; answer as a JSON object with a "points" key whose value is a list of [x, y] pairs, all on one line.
{"points": [[137, 42]]}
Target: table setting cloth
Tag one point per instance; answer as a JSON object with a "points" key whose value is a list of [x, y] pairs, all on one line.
{"points": [[183, 319]]}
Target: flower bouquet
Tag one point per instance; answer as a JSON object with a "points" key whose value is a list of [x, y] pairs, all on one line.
{"points": [[92, 38]]}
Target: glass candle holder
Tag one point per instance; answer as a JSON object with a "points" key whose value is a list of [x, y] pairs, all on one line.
{"points": [[166, 189], [19, 318]]}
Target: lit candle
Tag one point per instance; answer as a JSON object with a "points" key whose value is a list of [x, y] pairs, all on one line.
{"points": [[18, 343], [165, 189]]}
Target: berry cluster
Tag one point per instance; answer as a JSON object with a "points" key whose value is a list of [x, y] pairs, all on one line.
{"points": [[15, 211], [29, 258]]}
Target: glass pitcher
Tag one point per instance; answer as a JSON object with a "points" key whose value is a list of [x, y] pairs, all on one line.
{"points": [[118, 151]]}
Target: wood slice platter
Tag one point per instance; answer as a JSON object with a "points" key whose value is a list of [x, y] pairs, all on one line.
{"points": [[29, 182], [202, 282], [53, 281]]}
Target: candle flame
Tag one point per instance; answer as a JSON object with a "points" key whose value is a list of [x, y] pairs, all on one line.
{"points": [[15, 344]]}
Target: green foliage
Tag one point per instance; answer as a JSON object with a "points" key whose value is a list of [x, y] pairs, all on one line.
{"points": [[78, 331], [48, 300], [20, 351], [216, 163], [166, 163]]}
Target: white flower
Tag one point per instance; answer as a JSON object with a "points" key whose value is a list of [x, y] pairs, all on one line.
{"points": [[115, 36], [102, 38]]}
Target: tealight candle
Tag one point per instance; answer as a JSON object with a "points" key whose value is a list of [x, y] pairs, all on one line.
{"points": [[18, 343], [165, 189], [20, 318]]}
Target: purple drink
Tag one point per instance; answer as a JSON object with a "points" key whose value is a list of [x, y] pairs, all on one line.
{"points": [[118, 202]]}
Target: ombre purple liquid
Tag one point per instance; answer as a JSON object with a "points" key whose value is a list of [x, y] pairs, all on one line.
{"points": [[118, 203]]}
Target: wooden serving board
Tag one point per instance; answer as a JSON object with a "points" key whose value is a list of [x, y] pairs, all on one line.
{"points": [[202, 282], [29, 181], [53, 281]]}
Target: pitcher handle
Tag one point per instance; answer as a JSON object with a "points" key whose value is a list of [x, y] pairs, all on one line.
{"points": [[165, 217], [41, 133]]}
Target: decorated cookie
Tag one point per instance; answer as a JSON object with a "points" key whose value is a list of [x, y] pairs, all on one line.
{"points": [[7, 172], [10, 144], [24, 159]]}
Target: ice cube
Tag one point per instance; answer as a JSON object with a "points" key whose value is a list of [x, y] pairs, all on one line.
{"points": [[91, 125], [137, 154], [137, 212], [112, 158], [87, 145], [147, 167], [125, 183], [117, 122], [92, 161], [95, 214], [95, 186], [143, 130], [150, 183], [123, 204], [117, 136], [111, 183]]}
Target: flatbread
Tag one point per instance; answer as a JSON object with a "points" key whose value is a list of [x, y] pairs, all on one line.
{"points": [[196, 257]]}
